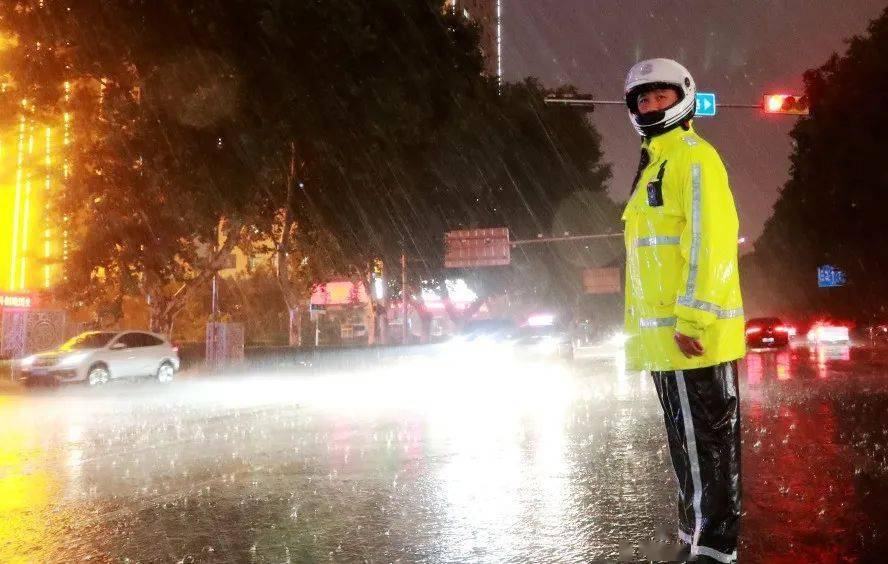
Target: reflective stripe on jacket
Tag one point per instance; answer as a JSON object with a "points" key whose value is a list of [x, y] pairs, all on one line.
{"points": [[681, 257]]}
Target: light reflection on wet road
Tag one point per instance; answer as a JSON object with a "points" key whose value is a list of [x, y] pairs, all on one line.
{"points": [[484, 459]]}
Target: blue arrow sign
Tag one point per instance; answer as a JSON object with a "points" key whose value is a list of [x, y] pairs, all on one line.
{"points": [[705, 104]]}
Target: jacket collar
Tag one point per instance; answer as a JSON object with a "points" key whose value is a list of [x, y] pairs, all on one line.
{"points": [[662, 143]]}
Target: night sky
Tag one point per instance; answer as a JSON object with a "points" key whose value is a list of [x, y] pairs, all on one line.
{"points": [[737, 49]]}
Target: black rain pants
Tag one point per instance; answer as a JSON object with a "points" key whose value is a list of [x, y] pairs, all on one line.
{"points": [[701, 408]]}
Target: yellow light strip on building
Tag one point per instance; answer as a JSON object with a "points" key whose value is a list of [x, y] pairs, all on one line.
{"points": [[66, 139], [30, 240], [25, 227], [17, 202], [66, 171], [26, 215], [47, 186]]}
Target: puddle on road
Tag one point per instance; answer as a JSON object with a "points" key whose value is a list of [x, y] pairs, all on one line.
{"points": [[538, 464]]}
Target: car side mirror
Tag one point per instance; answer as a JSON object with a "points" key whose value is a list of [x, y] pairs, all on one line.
{"points": [[117, 346]]}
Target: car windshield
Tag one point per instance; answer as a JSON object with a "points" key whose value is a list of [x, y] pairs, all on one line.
{"points": [[92, 340]]}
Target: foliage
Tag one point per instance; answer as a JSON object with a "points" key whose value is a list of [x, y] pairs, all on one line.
{"points": [[829, 210], [332, 133]]}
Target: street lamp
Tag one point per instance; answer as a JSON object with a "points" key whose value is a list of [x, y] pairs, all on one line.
{"points": [[379, 287]]}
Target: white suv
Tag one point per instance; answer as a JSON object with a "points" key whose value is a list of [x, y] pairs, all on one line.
{"points": [[96, 357]]}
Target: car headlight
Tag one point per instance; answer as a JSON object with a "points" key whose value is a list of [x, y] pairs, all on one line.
{"points": [[619, 339], [72, 359], [29, 360]]}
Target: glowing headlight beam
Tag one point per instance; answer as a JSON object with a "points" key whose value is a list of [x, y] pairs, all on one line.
{"points": [[72, 359], [619, 339]]}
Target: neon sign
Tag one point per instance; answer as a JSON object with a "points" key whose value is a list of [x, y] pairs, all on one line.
{"points": [[15, 300]]}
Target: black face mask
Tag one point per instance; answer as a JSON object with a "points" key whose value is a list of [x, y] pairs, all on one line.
{"points": [[650, 118]]}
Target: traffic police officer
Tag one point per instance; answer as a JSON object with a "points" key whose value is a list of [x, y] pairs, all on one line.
{"points": [[684, 312]]}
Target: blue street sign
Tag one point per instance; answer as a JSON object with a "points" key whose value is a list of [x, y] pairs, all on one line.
{"points": [[705, 104], [829, 276]]}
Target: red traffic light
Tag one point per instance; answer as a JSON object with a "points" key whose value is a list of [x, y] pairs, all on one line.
{"points": [[785, 104]]}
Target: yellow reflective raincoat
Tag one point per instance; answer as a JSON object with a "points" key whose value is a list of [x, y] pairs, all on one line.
{"points": [[681, 257]]}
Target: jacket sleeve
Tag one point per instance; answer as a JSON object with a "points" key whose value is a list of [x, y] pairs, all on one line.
{"points": [[708, 244]]}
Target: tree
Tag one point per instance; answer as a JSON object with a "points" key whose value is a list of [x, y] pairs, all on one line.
{"points": [[382, 140], [352, 94], [155, 218], [193, 110], [831, 208], [513, 161], [155, 197], [330, 133]]}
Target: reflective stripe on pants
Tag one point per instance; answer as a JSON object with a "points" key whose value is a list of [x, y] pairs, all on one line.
{"points": [[701, 409]]}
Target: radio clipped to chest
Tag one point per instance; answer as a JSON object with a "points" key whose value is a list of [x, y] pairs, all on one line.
{"points": [[655, 188]]}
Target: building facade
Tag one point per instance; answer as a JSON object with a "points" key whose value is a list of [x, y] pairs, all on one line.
{"points": [[32, 167]]}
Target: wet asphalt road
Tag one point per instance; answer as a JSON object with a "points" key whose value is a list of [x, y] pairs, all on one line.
{"points": [[448, 458]]}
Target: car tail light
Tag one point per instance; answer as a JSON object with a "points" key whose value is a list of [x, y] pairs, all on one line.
{"points": [[782, 329], [753, 330], [829, 333]]}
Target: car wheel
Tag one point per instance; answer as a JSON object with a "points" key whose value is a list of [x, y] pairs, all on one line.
{"points": [[98, 376], [165, 373]]}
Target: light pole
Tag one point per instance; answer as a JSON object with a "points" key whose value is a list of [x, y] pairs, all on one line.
{"points": [[403, 297]]}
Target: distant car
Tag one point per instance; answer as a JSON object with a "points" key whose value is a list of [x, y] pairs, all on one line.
{"points": [[768, 332], [544, 341], [97, 357], [497, 330], [878, 333], [825, 333]]}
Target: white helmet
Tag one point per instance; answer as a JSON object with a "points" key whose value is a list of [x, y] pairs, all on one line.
{"points": [[660, 73]]}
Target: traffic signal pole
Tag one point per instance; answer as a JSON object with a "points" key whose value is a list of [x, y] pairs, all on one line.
{"points": [[470, 248], [583, 102], [518, 242], [748, 106], [403, 298], [589, 105]]}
